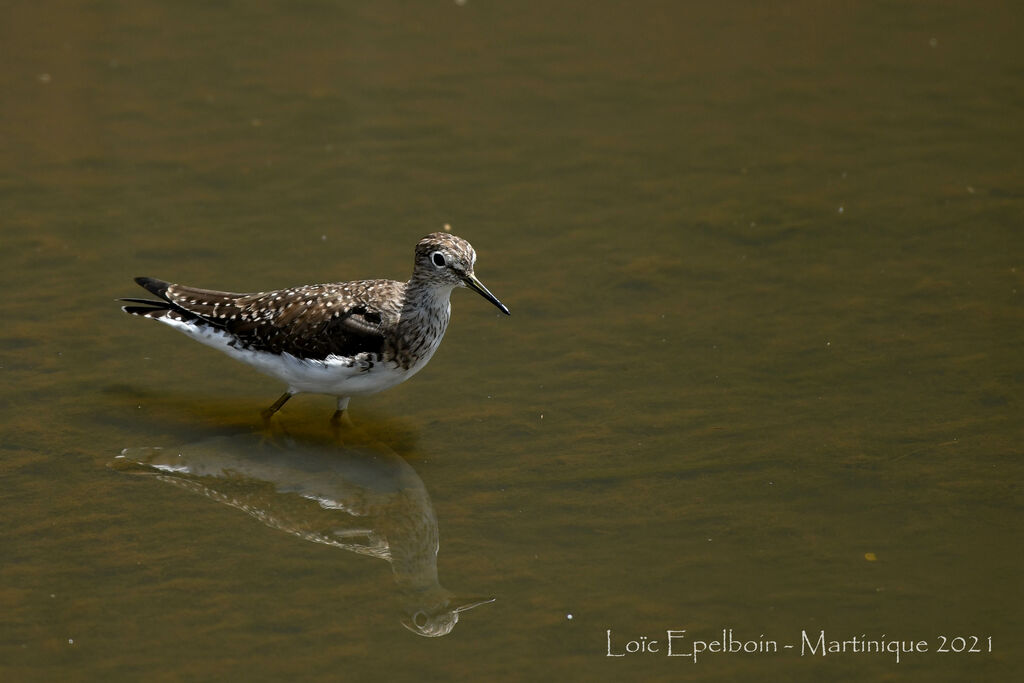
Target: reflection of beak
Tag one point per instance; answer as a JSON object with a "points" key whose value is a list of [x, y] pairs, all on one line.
{"points": [[470, 603], [478, 286]]}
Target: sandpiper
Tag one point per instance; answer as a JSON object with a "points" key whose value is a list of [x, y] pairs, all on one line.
{"points": [[343, 338]]}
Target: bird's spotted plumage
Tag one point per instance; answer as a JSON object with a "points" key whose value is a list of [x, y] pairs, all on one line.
{"points": [[344, 339]]}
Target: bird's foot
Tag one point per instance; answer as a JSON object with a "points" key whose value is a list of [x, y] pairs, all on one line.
{"points": [[341, 419], [340, 422], [267, 413]]}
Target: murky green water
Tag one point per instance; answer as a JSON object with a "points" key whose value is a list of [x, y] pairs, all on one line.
{"points": [[763, 371]]}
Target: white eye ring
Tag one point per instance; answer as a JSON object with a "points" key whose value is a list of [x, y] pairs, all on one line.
{"points": [[437, 258]]}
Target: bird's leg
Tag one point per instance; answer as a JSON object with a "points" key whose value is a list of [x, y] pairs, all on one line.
{"points": [[340, 420], [340, 417], [266, 414]]}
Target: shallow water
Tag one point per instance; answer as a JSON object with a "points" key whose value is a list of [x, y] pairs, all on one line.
{"points": [[763, 370]]}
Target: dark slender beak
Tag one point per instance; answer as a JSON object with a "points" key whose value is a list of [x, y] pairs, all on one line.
{"points": [[478, 286]]}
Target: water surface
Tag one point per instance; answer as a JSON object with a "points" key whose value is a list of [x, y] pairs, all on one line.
{"points": [[763, 370]]}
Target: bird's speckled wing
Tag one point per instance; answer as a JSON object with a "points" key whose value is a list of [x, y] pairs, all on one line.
{"points": [[312, 321]]}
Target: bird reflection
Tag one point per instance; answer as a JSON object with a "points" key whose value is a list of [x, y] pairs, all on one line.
{"points": [[365, 499]]}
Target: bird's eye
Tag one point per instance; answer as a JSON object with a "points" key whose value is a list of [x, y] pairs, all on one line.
{"points": [[438, 259]]}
